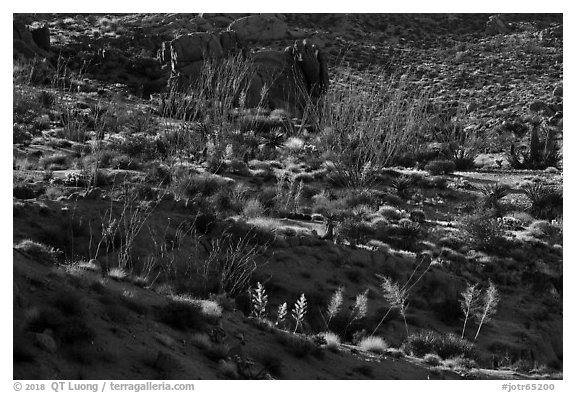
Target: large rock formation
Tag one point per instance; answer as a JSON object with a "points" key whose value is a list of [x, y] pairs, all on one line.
{"points": [[30, 41], [260, 28], [290, 77], [497, 25], [187, 53], [293, 76]]}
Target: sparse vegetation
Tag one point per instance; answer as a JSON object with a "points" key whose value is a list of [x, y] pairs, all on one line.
{"points": [[187, 195]]}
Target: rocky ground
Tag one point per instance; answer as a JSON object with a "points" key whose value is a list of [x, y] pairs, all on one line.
{"points": [[136, 239]]}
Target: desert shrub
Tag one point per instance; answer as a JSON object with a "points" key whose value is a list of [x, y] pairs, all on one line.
{"points": [[485, 233], [230, 263], [546, 202], [46, 99], [54, 161], [444, 345], [374, 344], [140, 146], [189, 185], [38, 250], [440, 167], [432, 359], [354, 230], [459, 363], [323, 204], [389, 212], [545, 230], [253, 208], [158, 174], [418, 216]]}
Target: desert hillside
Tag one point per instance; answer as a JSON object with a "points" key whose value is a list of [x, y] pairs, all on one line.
{"points": [[287, 196]]}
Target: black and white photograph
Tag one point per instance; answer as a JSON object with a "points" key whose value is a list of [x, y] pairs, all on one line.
{"points": [[287, 196]]}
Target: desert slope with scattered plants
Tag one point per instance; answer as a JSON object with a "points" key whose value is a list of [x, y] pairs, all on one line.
{"points": [[245, 196]]}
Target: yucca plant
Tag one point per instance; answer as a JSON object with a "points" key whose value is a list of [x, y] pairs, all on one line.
{"points": [[546, 202], [259, 301], [402, 185], [493, 193], [299, 311]]}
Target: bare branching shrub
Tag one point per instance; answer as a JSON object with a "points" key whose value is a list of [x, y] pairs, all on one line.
{"points": [[230, 263]]}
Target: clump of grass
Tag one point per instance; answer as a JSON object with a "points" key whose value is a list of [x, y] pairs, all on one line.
{"points": [[440, 167], [332, 340], [374, 344], [432, 359], [445, 345], [253, 208], [118, 274], [38, 250]]}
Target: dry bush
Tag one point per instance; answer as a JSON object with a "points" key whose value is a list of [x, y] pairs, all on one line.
{"points": [[444, 345], [374, 344]]}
